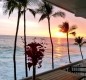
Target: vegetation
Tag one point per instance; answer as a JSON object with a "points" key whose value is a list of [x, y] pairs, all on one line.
{"points": [[79, 41], [9, 6], [65, 29], [34, 52], [25, 4], [46, 10], [21, 6]]}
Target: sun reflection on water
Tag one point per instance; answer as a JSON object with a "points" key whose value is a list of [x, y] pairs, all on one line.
{"points": [[60, 48]]}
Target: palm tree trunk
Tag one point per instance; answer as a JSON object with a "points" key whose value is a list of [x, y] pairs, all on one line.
{"points": [[68, 48], [26, 69], [51, 42], [34, 66], [34, 72], [15, 42], [81, 52]]}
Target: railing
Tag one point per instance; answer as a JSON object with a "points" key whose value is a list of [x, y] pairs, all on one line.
{"points": [[78, 67]]}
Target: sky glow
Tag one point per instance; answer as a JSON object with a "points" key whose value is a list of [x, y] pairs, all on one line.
{"points": [[35, 28]]}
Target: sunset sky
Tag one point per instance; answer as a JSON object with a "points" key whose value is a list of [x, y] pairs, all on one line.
{"points": [[35, 28]]}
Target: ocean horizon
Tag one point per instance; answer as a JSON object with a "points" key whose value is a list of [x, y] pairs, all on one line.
{"points": [[60, 55]]}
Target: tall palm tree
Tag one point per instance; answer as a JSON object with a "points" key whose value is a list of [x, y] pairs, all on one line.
{"points": [[79, 41], [65, 29], [10, 5], [46, 10], [25, 4]]}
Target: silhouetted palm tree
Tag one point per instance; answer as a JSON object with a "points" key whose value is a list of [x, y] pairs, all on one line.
{"points": [[79, 41], [65, 29], [46, 10], [10, 5], [24, 5]]}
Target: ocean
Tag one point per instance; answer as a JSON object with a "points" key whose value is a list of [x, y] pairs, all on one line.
{"points": [[60, 55]]}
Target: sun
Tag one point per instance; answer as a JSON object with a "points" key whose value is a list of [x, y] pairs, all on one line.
{"points": [[60, 34]]}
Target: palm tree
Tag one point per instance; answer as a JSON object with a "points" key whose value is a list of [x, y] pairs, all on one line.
{"points": [[46, 10], [24, 4], [79, 41], [65, 29], [10, 5]]}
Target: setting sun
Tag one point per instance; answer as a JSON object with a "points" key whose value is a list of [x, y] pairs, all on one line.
{"points": [[60, 34]]}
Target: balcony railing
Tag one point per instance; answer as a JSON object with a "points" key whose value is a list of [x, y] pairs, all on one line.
{"points": [[78, 68]]}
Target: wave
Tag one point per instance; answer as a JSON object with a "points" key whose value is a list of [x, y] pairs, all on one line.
{"points": [[60, 55]]}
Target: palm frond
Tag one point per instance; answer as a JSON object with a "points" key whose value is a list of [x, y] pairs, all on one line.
{"points": [[9, 6], [32, 11], [24, 2], [48, 8], [79, 40], [72, 28], [73, 33], [11, 10], [42, 17], [61, 14], [84, 42], [41, 8], [45, 8], [75, 43], [65, 27]]}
